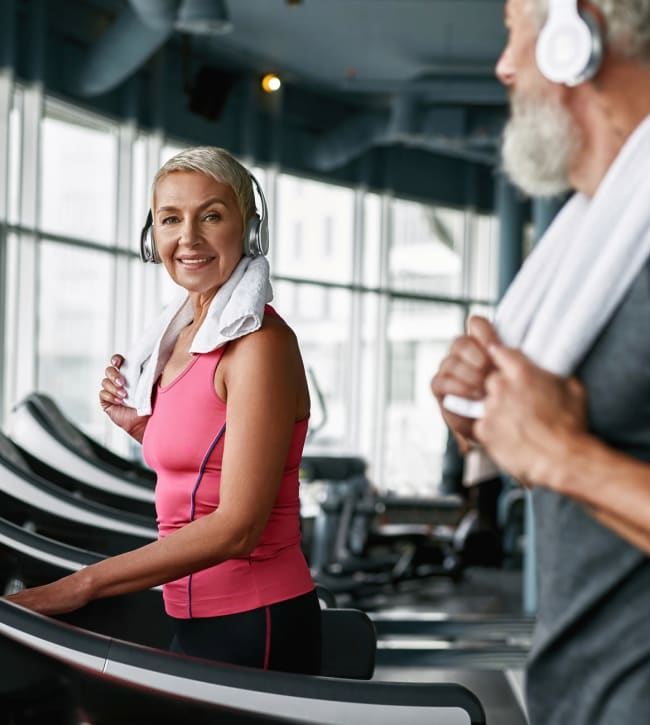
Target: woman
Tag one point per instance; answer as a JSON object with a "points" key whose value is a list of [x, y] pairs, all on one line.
{"points": [[225, 437]]}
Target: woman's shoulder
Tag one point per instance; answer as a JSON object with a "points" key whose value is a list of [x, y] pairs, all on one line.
{"points": [[272, 316], [272, 338], [275, 329], [267, 356]]}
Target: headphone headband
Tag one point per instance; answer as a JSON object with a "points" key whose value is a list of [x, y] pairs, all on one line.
{"points": [[256, 236]]}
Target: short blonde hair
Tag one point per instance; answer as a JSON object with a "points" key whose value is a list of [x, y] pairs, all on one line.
{"points": [[218, 164]]}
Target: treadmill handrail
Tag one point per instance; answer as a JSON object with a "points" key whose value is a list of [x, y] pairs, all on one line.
{"points": [[27, 426], [37, 493], [308, 699], [41, 406]]}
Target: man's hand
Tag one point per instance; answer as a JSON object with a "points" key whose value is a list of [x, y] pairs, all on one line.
{"points": [[530, 416], [463, 372]]}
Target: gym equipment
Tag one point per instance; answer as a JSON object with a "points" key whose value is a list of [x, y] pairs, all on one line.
{"points": [[81, 490], [407, 638], [26, 498], [350, 553], [81, 661], [117, 681], [29, 559], [39, 427]]}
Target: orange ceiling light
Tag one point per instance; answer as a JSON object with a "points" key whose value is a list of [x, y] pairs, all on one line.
{"points": [[271, 83]]}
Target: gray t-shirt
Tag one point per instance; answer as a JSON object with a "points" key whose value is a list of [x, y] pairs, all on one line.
{"points": [[590, 662]]}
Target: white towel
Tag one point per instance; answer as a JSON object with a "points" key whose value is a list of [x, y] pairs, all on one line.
{"points": [[236, 310], [580, 270], [572, 282]]}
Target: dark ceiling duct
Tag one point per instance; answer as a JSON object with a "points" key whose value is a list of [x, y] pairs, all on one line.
{"points": [[141, 28], [156, 14], [437, 129]]}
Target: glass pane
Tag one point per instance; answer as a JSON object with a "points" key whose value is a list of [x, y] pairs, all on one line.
{"points": [[371, 266], [486, 311], [260, 174], [483, 257], [74, 329], [369, 399], [12, 321], [169, 150], [414, 433], [426, 249], [15, 149], [314, 230], [151, 289], [140, 190], [323, 340], [78, 180]]}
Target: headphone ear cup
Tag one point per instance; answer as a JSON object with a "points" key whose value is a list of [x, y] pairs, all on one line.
{"points": [[256, 243], [148, 251], [252, 246], [570, 45], [595, 21], [155, 258]]}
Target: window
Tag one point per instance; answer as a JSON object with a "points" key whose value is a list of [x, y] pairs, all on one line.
{"points": [[74, 328], [401, 363], [140, 189], [14, 149], [480, 262], [418, 336], [372, 241], [323, 214], [78, 180], [426, 249], [324, 345]]}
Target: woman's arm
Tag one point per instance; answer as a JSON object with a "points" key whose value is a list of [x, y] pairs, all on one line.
{"points": [[263, 378]]}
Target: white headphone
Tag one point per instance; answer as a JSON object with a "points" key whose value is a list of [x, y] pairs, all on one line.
{"points": [[256, 236], [570, 45]]}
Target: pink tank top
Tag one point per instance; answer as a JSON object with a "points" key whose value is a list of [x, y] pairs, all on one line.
{"points": [[183, 443]]}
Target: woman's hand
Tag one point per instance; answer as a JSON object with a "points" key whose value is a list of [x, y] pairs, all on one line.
{"points": [[59, 597], [463, 372], [111, 398]]}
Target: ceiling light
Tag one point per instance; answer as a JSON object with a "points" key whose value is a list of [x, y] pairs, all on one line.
{"points": [[271, 83], [204, 17]]}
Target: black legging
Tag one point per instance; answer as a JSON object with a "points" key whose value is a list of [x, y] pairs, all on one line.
{"points": [[285, 636]]}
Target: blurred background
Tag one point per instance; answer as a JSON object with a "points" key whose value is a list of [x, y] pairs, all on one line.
{"points": [[374, 129], [378, 153]]}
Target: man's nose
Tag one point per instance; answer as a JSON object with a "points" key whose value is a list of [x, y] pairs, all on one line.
{"points": [[505, 68]]}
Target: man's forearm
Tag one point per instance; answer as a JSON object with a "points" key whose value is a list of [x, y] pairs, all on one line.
{"points": [[615, 487]]}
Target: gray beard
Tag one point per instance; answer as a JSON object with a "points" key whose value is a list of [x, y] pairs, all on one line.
{"points": [[539, 142]]}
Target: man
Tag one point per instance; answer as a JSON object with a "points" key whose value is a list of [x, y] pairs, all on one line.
{"points": [[588, 463]]}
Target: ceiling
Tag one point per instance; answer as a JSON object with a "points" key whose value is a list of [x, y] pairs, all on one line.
{"points": [[367, 84]]}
